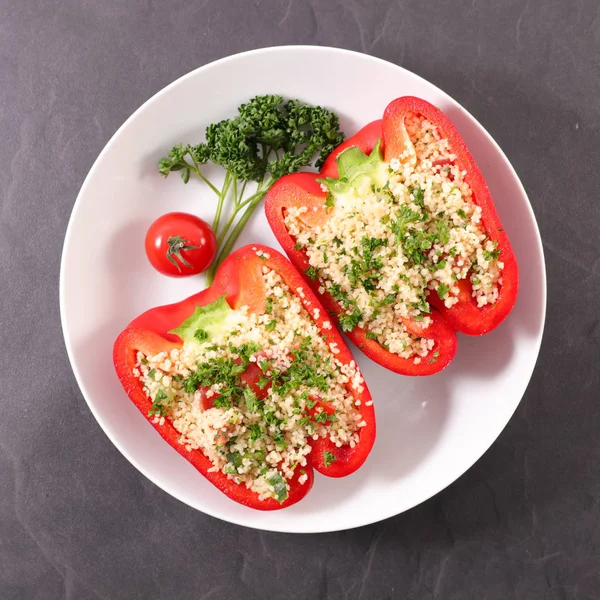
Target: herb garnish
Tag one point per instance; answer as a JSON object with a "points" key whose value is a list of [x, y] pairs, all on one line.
{"points": [[267, 139], [328, 459]]}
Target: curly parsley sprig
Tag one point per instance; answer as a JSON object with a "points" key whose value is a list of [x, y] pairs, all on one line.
{"points": [[267, 139]]}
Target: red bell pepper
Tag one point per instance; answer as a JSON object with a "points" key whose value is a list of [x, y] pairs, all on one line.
{"points": [[465, 316], [239, 278], [303, 189]]}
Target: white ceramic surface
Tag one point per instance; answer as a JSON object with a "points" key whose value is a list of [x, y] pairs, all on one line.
{"points": [[430, 430]]}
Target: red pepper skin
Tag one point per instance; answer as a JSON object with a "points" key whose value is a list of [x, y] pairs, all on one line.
{"points": [[464, 316], [240, 279]]}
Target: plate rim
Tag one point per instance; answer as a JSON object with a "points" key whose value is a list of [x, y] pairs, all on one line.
{"points": [[443, 482]]}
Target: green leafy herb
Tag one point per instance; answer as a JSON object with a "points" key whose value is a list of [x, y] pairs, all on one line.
{"points": [[256, 431], [279, 439], [434, 357], [269, 305], [348, 321], [418, 196], [371, 335], [492, 254], [328, 459], [442, 290], [158, 406], [267, 139], [280, 488], [311, 273], [310, 404], [389, 299], [253, 404]]}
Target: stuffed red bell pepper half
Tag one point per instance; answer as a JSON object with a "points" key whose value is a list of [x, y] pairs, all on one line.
{"points": [[250, 381], [399, 237]]}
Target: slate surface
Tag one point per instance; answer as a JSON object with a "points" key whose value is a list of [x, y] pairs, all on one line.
{"points": [[77, 521]]}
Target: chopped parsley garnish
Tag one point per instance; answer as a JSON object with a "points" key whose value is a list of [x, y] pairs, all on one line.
{"points": [[301, 372], [422, 305], [253, 404], [235, 459], [269, 305], [461, 213], [389, 299], [256, 431], [442, 290], [329, 201], [310, 403], [280, 489], [371, 335], [298, 247], [349, 321], [328, 459], [224, 372], [418, 196], [311, 273], [279, 439], [158, 407], [270, 326], [324, 417], [434, 357], [492, 254]]}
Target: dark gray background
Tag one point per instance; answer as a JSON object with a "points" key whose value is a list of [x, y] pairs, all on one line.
{"points": [[77, 521]]}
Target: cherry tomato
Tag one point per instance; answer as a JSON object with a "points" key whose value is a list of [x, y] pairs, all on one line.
{"points": [[179, 244]]}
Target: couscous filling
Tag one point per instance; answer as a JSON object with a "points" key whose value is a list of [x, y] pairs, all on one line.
{"points": [[251, 391], [395, 232]]}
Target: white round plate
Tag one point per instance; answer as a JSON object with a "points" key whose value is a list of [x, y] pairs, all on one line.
{"points": [[429, 430]]}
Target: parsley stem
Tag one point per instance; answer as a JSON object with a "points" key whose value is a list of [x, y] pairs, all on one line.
{"points": [[251, 202], [243, 189], [221, 201], [235, 194], [251, 205], [206, 181]]}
